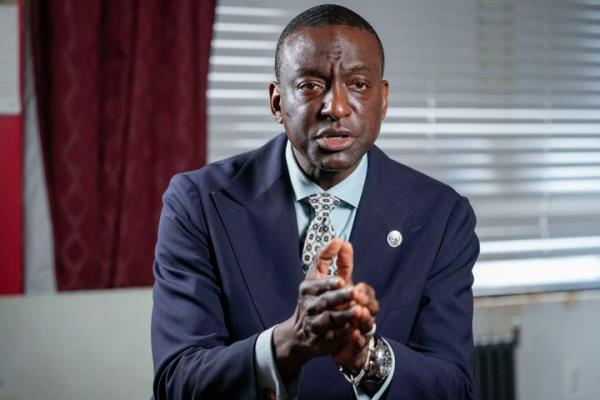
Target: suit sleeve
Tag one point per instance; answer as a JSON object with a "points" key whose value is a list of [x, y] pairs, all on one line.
{"points": [[436, 361], [193, 354]]}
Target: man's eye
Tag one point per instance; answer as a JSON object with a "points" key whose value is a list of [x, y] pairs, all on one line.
{"points": [[360, 85], [309, 86]]}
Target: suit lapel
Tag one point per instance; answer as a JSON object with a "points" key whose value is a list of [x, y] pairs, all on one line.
{"points": [[382, 209], [257, 210]]}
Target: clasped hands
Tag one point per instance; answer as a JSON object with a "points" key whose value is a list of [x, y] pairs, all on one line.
{"points": [[332, 316]]}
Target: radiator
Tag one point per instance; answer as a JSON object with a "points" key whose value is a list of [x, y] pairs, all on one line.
{"points": [[494, 366]]}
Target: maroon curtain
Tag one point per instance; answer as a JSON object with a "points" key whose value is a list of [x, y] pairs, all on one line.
{"points": [[121, 92]]}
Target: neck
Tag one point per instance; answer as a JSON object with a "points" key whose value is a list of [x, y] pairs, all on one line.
{"points": [[324, 178]]}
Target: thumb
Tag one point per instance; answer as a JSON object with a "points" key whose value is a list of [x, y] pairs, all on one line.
{"points": [[345, 263], [325, 258]]}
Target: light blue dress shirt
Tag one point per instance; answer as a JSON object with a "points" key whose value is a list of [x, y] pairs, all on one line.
{"points": [[349, 192]]}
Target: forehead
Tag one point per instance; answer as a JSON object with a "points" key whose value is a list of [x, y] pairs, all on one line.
{"points": [[320, 47]]}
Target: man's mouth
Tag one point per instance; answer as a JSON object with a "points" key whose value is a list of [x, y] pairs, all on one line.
{"points": [[334, 141]]}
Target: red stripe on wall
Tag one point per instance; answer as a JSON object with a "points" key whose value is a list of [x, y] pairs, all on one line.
{"points": [[11, 198], [11, 212]]}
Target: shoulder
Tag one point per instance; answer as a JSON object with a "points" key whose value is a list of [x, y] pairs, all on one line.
{"points": [[215, 175], [415, 187], [219, 174]]}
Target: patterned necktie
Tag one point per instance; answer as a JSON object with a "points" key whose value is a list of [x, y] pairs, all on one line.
{"points": [[320, 230]]}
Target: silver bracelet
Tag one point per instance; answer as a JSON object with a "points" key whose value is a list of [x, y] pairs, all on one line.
{"points": [[355, 380]]}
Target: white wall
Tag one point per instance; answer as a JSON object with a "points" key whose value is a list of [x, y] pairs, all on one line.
{"points": [[96, 345], [86, 345]]}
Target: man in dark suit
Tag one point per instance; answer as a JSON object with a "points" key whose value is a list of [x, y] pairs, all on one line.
{"points": [[315, 266]]}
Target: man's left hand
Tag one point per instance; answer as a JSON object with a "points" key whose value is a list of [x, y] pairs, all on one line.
{"points": [[353, 349]]}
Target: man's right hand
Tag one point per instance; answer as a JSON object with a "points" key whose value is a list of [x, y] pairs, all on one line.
{"points": [[324, 315]]}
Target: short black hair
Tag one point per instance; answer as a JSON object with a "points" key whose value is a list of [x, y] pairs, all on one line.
{"points": [[322, 15]]}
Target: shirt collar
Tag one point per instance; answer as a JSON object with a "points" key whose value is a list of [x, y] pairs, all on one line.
{"points": [[349, 190]]}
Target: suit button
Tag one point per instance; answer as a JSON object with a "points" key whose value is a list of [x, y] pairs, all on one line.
{"points": [[394, 238]]}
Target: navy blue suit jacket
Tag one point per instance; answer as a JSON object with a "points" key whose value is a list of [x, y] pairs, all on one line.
{"points": [[228, 266]]}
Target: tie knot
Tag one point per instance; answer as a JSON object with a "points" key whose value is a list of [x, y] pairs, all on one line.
{"points": [[323, 202]]}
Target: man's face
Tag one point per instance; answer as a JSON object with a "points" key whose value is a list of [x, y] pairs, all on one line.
{"points": [[330, 97]]}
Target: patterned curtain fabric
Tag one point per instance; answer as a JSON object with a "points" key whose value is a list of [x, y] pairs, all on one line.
{"points": [[121, 89]]}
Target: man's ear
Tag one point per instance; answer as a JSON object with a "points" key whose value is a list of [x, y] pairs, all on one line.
{"points": [[384, 94], [275, 101]]}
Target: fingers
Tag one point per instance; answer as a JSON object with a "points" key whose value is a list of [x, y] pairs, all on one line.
{"points": [[334, 316], [316, 287], [338, 333], [327, 255], [328, 300], [365, 298], [365, 324], [338, 251], [362, 320], [365, 295], [345, 262], [332, 320]]}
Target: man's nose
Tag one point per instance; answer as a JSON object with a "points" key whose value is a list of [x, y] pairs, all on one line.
{"points": [[335, 103]]}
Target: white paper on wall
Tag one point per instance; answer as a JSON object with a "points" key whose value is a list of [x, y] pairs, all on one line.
{"points": [[10, 102]]}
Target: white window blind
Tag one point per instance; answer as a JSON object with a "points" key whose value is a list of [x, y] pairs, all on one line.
{"points": [[500, 99]]}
